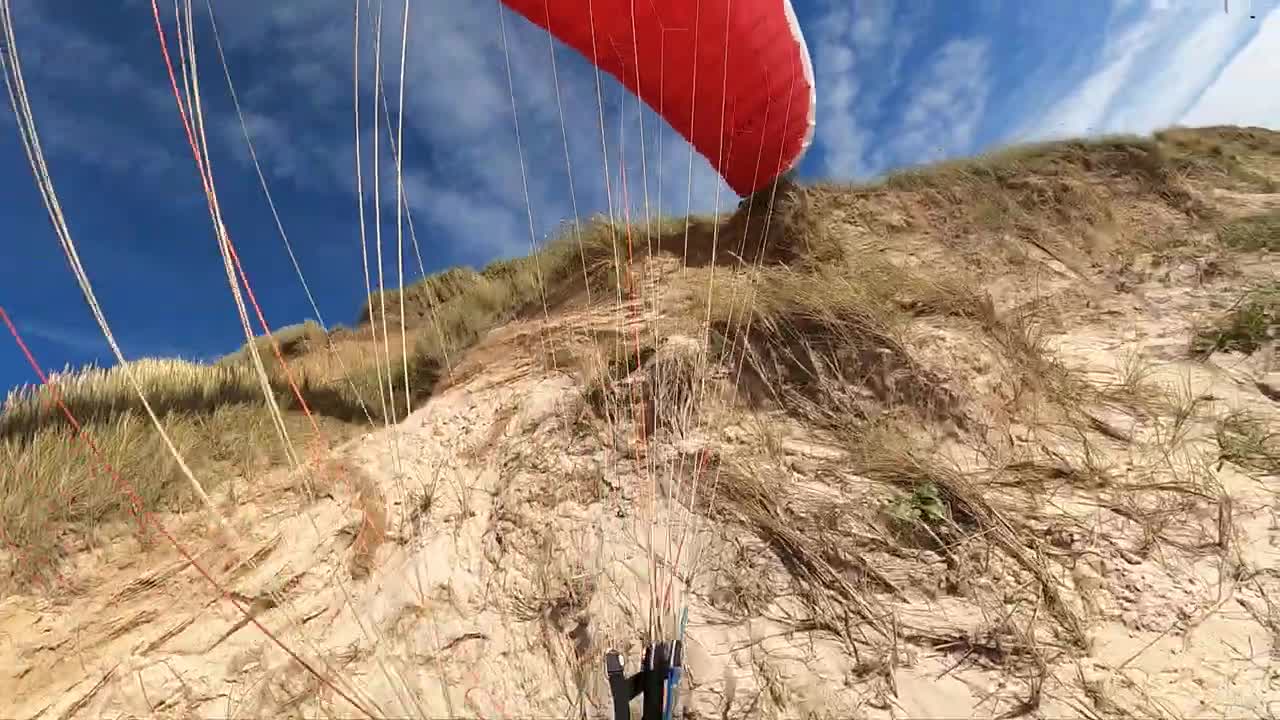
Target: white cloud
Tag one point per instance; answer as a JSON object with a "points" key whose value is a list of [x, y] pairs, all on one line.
{"points": [[268, 136], [893, 89], [87, 340], [76, 110], [490, 228], [842, 42], [944, 107], [458, 108], [81, 340], [1151, 69], [119, 148], [1242, 94], [292, 62], [871, 114]]}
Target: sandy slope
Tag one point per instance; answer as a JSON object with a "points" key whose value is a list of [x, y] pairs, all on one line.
{"points": [[478, 558], [495, 597]]}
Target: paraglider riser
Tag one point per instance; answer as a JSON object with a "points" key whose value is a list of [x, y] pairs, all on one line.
{"points": [[657, 680]]}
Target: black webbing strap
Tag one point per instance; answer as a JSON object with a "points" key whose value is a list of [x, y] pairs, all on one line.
{"points": [[655, 681], [621, 687], [650, 681]]}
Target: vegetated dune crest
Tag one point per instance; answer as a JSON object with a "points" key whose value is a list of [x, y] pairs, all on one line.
{"points": [[991, 438]]}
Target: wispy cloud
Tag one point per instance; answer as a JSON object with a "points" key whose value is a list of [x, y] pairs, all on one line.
{"points": [[82, 341], [491, 228], [1156, 62], [898, 83], [87, 341], [72, 132], [858, 57], [91, 102], [463, 161], [1241, 94], [944, 106]]}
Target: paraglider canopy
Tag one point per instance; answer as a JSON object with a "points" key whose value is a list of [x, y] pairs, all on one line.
{"points": [[733, 77]]}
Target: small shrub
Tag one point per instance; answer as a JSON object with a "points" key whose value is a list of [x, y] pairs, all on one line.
{"points": [[419, 297], [924, 504], [1252, 233], [1245, 328], [293, 340], [1249, 442]]}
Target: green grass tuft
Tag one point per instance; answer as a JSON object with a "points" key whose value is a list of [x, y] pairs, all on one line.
{"points": [[1252, 233], [1245, 328]]}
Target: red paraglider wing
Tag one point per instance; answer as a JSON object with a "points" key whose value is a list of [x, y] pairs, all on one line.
{"points": [[731, 76]]}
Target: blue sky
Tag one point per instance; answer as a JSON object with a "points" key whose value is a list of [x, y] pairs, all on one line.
{"points": [[898, 83]]}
